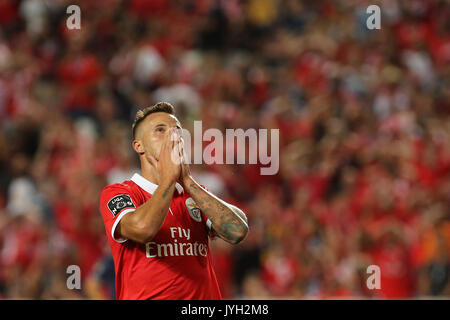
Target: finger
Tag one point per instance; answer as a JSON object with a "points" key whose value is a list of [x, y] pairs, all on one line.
{"points": [[182, 148], [179, 152], [182, 151], [166, 146], [174, 149], [175, 137], [169, 137], [153, 161]]}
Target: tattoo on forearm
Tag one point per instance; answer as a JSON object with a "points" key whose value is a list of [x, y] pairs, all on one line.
{"points": [[166, 192], [227, 223]]}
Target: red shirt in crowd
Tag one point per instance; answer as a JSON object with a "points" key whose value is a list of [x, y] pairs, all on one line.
{"points": [[396, 271], [176, 264]]}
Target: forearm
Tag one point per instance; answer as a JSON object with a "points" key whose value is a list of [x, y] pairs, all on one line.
{"points": [[228, 221], [145, 222]]}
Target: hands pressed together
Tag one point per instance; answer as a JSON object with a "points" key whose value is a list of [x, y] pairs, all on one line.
{"points": [[228, 222], [172, 165]]}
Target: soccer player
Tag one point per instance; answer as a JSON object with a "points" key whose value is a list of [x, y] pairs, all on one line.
{"points": [[159, 222]]}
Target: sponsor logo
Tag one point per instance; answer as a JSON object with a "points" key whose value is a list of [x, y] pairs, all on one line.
{"points": [[175, 248], [120, 202], [193, 209]]}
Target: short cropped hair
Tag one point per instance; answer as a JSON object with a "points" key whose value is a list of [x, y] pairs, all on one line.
{"points": [[143, 113]]}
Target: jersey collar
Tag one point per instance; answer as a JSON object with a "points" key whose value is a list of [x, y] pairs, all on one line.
{"points": [[148, 186]]}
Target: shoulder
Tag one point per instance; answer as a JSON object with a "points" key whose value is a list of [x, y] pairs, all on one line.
{"points": [[125, 187], [117, 197]]}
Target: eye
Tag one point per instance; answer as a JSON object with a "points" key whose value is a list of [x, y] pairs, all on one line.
{"points": [[160, 129]]}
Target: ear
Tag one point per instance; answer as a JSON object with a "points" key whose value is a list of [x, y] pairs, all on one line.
{"points": [[138, 146]]}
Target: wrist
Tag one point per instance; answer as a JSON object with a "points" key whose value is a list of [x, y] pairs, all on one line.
{"points": [[167, 182]]}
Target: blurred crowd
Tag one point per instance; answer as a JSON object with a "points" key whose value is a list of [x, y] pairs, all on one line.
{"points": [[364, 138]]}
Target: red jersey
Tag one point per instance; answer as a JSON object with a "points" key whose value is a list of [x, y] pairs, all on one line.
{"points": [[176, 264]]}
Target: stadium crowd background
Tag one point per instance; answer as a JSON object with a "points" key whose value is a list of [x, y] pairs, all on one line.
{"points": [[364, 138]]}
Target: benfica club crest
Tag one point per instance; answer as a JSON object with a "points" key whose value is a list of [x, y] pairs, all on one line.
{"points": [[193, 209]]}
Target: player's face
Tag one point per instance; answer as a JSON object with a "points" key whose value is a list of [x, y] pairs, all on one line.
{"points": [[155, 129]]}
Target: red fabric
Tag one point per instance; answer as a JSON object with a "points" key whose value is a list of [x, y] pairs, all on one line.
{"points": [[279, 273], [408, 34], [74, 224], [8, 12], [144, 9], [311, 71], [139, 275], [80, 73], [223, 266], [395, 268]]}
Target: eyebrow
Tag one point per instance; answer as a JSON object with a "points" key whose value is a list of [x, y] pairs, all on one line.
{"points": [[165, 125]]}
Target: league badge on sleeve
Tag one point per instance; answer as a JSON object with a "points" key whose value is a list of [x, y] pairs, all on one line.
{"points": [[194, 210], [120, 202]]}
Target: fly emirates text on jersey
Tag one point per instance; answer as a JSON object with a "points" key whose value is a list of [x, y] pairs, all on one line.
{"points": [[175, 248]]}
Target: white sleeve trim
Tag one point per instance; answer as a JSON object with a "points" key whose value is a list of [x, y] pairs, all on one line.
{"points": [[121, 215], [208, 224]]}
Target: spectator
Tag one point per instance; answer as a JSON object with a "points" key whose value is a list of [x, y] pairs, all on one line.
{"points": [[364, 138]]}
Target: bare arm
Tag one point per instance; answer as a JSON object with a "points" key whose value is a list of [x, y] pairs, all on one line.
{"points": [[229, 222], [143, 224]]}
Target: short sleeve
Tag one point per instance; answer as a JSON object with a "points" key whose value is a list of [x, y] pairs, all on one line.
{"points": [[115, 202]]}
